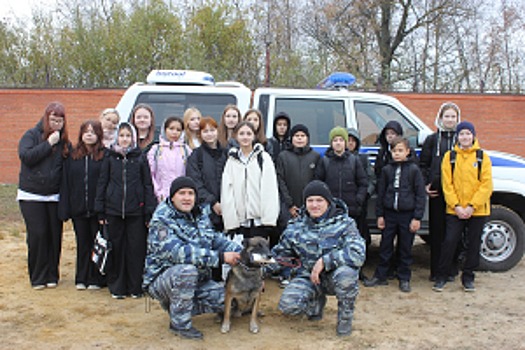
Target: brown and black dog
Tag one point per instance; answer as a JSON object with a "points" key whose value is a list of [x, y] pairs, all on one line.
{"points": [[244, 283]]}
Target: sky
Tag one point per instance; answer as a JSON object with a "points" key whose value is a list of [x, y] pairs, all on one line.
{"points": [[11, 9]]}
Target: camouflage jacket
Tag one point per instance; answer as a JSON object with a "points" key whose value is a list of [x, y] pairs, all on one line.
{"points": [[335, 238], [183, 238]]}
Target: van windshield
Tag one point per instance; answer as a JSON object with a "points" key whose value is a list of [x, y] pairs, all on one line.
{"points": [[319, 116], [174, 104]]}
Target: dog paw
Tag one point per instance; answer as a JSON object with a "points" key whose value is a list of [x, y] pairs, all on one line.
{"points": [[225, 328], [254, 328]]}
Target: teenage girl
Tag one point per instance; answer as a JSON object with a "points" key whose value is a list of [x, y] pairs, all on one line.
{"points": [[255, 117], [109, 119], [77, 199], [192, 117], [231, 116], [249, 186], [167, 159], [143, 120], [125, 200]]}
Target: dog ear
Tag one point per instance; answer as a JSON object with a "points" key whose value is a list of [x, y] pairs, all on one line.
{"points": [[245, 242]]}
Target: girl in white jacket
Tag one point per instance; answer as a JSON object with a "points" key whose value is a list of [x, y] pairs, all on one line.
{"points": [[249, 191]]}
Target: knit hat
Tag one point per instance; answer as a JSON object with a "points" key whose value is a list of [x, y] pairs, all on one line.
{"points": [[338, 131], [299, 127], [182, 182], [317, 188], [466, 125]]}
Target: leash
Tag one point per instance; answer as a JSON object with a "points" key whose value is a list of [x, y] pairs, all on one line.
{"points": [[289, 262]]}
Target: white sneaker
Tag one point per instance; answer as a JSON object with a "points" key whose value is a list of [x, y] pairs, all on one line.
{"points": [[51, 285], [39, 286], [80, 286], [93, 287]]}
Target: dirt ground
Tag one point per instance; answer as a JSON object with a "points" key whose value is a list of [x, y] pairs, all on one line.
{"points": [[385, 318]]}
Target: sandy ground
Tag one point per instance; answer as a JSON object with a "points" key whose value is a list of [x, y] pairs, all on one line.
{"points": [[385, 318]]}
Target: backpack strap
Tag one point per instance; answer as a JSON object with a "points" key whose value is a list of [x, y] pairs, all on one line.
{"points": [[479, 158]]}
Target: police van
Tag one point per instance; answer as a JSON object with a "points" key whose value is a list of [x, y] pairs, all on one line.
{"points": [[171, 92]]}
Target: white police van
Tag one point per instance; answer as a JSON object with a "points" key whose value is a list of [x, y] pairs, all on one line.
{"points": [[320, 110]]}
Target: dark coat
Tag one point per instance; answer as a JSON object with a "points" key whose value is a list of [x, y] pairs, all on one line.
{"points": [[41, 163], [435, 146], [78, 188], [410, 195], [125, 187], [346, 179], [295, 169], [205, 167]]}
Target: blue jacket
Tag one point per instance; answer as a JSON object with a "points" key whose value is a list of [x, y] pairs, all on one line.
{"points": [[334, 237], [183, 238]]}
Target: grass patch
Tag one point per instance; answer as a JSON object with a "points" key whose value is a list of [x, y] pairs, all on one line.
{"points": [[9, 210]]}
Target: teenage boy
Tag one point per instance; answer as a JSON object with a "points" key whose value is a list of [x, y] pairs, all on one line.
{"points": [[399, 209], [281, 134], [466, 174]]}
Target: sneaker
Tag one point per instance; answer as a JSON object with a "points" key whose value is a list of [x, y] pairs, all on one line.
{"points": [[284, 283], [93, 287], [192, 333], [118, 296], [39, 286], [438, 286], [468, 286], [404, 286], [51, 285], [80, 286], [374, 281], [137, 296]]}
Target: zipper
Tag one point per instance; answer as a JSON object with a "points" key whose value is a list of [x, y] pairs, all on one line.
{"points": [[124, 185], [86, 186]]}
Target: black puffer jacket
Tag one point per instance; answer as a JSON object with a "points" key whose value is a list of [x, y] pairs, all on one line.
{"points": [[124, 187], [295, 169], [41, 163], [369, 169], [205, 166], [78, 188], [435, 146], [345, 177], [408, 195]]}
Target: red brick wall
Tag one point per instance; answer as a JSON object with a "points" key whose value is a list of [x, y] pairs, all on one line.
{"points": [[499, 119]]}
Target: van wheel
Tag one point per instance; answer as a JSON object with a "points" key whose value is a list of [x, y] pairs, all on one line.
{"points": [[502, 241]]}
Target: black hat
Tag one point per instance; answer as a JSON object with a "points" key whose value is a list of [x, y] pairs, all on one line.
{"points": [[299, 127], [317, 188], [182, 182], [466, 125]]}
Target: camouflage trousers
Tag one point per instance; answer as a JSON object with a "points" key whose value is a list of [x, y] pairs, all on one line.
{"points": [[301, 296], [183, 295]]}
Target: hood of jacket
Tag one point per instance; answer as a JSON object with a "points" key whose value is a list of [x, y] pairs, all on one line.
{"points": [[394, 125], [355, 134], [474, 148], [281, 115], [234, 151], [330, 153], [336, 208], [439, 122], [133, 145]]}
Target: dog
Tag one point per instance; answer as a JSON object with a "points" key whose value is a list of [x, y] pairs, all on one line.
{"points": [[244, 283]]}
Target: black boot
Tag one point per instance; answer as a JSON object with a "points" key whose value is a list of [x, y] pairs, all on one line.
{"points": [[345, 314], [192, 333]]}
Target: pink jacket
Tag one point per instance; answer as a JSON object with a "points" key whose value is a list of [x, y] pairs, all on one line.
{"points": [[167, 161]]}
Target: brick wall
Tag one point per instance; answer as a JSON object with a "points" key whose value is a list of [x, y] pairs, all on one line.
{"points": [[499, 119]]}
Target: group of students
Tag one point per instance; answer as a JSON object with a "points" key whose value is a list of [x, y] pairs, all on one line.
{"points": [[118, 172]]}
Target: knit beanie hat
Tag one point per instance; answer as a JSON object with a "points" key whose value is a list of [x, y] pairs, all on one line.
{"points": [[338, 131], [466, 125], [317, 188], [182, 182], [299, 127]]}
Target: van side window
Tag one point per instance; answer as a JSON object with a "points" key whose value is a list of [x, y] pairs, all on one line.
{"points": [[372, 117], [168, 104], [320, 116]]}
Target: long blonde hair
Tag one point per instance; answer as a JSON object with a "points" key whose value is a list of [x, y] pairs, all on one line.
{"points": [[187, 133]]}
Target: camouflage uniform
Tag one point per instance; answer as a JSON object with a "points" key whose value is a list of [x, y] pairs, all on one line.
{"points": [[334, 238], [182, 249]]}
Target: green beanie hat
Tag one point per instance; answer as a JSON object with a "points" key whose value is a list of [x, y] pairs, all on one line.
{"points": [[339, 131]]}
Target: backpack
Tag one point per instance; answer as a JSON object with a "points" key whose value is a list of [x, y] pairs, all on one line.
{"points": [[479, 158]]}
